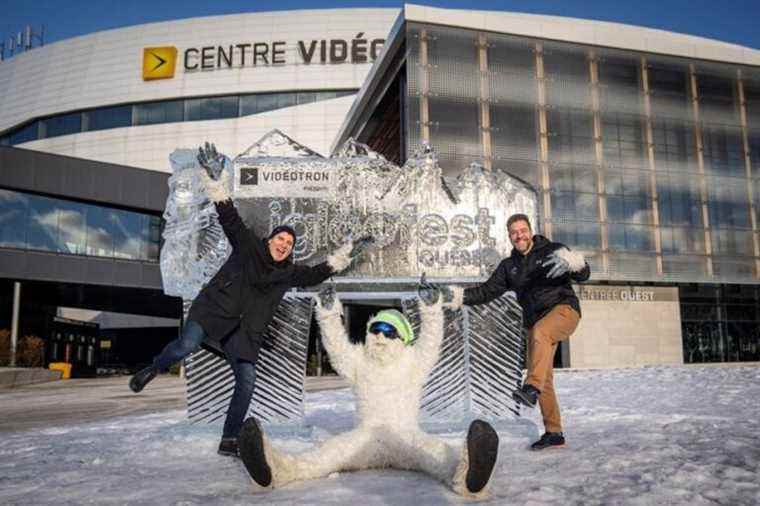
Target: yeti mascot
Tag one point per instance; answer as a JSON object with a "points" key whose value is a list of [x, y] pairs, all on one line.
{"points": [[387, 374]]}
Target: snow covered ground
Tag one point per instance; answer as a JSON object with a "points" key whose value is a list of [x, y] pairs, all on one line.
{"points": [[656, 435]]}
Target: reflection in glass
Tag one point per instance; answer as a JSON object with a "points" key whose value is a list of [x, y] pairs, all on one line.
{"points": [[107, 117], [720, 323], [630, 237], [129, 234], [48, 224], [723, 149], [42, 231], [669, 88], [64, 124], [153, 113], [682, 240], [581, 235], [727, 202], [14, 208], [99, 232], [26, 133], [691, 193], [72, 228]]}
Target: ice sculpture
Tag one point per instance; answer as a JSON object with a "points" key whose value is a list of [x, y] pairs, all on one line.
{"points": [[278, 395], [480, 364], [195, 246], [452, 229]]}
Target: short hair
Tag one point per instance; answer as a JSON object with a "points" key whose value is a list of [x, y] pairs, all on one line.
{"points": [[518, 217]]}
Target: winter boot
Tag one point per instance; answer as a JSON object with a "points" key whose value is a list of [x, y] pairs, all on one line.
{"points": [[549, 440], [251, 442], [482, 450], [228, 447], [527, 395], [142, 378]]}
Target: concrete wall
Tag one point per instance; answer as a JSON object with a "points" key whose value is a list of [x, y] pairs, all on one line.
{"points": [[627, 326]]}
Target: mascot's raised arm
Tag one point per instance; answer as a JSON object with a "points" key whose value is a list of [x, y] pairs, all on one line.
{"points": [[387, 374]]}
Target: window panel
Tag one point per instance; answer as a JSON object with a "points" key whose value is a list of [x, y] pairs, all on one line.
{"points": [[571, 136], [727, 241], [107, 117], [72, 228], [26, 133], [619, 81], [99, 232], [42, 233], [306, 97], [514, 131], [567, 76], [199, 109], [679, 200], [723, 149], [727, 202], [582, 235], [14, 215], [152, 113], [716, 97], [129, 234], [669, 89], [574, 206], [682, 240], [61, 125]]}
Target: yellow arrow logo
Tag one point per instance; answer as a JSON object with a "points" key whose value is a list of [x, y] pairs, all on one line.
{"points": [[159, 62]]}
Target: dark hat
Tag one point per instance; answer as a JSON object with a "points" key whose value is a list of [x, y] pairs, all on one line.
{"points": [[283, 228]]}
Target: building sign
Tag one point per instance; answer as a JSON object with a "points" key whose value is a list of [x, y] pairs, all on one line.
{"points": [[626, 293], [286, 181], [422, 222], [159, 62]]}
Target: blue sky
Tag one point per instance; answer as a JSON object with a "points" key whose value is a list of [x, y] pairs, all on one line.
{"points": [[728, 20]]}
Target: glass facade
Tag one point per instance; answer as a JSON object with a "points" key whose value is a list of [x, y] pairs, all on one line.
{"points": [[720, 323], [650, 163], [35, 222], [166, 111]]}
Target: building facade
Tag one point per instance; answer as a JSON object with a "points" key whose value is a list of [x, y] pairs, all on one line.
{"points": [[228, 79], [87, 126], [644, 147]]}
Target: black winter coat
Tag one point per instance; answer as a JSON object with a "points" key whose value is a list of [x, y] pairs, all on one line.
{"points": [[246, 290], [526, 276]]}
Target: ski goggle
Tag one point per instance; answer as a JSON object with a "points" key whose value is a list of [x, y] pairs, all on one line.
{"points": [[386, 329]]}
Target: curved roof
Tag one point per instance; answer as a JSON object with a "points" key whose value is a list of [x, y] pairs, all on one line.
{"points": [[105, 68], [583, 31]]}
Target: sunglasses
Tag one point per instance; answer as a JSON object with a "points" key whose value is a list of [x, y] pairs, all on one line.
{"points": [[386, 329]]}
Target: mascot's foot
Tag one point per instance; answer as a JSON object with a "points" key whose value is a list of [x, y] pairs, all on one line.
{"points": [[482, 450], [251, 447], [142, 378]]}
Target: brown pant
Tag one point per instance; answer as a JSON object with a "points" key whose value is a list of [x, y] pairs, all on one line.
{"points": [[543, 338]]}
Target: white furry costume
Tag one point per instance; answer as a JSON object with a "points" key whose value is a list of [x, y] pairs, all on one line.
{"points": [[387, 377]]}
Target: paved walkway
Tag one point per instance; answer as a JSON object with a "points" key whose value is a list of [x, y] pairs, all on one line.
{"points": [[87, 400]]}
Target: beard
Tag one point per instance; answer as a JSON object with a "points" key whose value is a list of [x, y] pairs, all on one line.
{"points": [[382, 350]]}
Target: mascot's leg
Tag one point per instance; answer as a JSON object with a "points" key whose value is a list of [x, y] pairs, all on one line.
{"points": [[466, 471], [477, 461], [267, 466]]}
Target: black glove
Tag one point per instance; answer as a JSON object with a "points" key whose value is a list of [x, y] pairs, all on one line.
{"points": [[360, 245], [211, 160], [327, 296], [428, 292]]}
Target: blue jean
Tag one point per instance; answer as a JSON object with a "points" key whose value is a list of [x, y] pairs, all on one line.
{"points": [[189, 340], [244, 372]]}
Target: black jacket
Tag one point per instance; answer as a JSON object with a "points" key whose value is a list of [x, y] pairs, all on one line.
{"points": [[246, 290], [526, 276]]}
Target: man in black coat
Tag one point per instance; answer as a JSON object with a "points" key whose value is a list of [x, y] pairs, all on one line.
{"points": [[539, 272], [231, 313]]}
